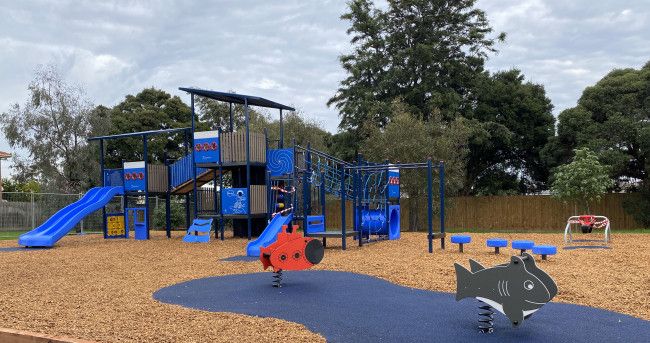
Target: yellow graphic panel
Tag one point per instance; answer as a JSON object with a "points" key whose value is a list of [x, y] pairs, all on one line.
{"points": [[115, 225]]}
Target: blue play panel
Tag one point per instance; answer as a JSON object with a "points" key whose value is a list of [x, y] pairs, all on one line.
{"points": [[348, 307]]}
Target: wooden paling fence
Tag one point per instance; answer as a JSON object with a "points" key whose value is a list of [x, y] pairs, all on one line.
{"points": [[501, 213]]}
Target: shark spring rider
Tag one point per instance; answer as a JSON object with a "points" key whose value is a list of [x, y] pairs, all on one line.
{"points": [[516, 289]]}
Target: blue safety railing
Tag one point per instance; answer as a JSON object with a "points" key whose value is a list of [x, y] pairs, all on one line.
{"points": [[181, 171]]}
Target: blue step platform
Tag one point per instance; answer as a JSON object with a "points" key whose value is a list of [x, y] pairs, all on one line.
{"points": [[460, 240], [544, 250], [523, 245], [199, 232], [497, 243]]}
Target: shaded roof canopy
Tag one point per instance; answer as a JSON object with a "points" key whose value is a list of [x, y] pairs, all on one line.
{"points": [[141, 133], [237, 98], [4, 155]]}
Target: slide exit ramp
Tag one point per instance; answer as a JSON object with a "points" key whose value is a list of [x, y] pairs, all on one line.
{"points": [[269, 235], [57, 226]]}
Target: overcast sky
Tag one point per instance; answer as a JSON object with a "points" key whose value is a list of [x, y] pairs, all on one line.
{"points": [[287, 50]]}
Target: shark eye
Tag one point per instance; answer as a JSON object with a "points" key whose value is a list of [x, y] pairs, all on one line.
{"points": [[528, 285]]}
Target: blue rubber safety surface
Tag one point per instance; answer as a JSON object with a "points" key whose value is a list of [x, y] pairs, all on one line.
{"points": [[348, 307], [241, 258]]}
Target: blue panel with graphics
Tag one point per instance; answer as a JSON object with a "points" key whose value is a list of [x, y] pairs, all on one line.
{"points": [[206, 147], [234, 200], [113, 177], [280, 161], [134, 176], [393, 183]]}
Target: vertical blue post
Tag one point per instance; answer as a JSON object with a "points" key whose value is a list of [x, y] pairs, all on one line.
{"points": [[343, 237], [269, 196], [214, 184], [429, 206], [221, 228], [358, 202], [168, 200], [294, 199], [101, 178], [248, 171], [281, 142], [386, 214], [196, 202], [322, 200], [306, 188], [268, 175], [442, 203], [146, 185]]}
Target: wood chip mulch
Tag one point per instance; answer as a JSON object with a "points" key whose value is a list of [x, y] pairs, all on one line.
{"points": [[101, 290]]}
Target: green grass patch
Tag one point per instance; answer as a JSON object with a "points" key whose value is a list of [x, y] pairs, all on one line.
{"points": [[9, 235]]}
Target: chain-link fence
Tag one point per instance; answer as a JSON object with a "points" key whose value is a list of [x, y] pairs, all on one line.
{"points": [[25, 211]]}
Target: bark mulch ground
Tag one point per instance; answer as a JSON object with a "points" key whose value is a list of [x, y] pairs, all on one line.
{"points": [[95, 289]]}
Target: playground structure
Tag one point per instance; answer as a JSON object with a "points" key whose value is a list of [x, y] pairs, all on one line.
{"points": [[587, 224], [270, 186]]}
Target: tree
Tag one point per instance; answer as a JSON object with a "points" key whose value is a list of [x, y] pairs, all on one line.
{"points": [[584, 180], [151, 109], [52, 126], [513, 122], [12, 185], [612, 118], [424, 52], [435, 139]]}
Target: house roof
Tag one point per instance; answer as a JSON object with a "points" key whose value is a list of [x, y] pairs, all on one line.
{"points": [[4, 155]]}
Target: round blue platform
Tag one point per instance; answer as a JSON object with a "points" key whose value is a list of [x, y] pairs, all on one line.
{"points": [[461, 239], [497, 243], [521, 245], [348, 307], [545, 250]]}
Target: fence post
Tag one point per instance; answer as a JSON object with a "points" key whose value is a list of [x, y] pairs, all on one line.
{"points": [[33, 209], [81, 232]]}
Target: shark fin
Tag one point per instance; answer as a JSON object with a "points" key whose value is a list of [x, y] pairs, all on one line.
{"points": [[463, 282], [475, 266]]}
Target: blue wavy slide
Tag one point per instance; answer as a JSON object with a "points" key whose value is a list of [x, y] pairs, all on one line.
{"points": [[269, 235], [66, 218]]}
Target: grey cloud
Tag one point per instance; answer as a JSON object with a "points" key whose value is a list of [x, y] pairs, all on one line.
{"points": [[288, 50]]}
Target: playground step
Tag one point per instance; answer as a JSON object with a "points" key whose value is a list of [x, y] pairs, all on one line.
{"points": [[188, 185]]}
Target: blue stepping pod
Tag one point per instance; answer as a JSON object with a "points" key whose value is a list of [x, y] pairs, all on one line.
{"points": [[460, 240], [523, 245], [497, 243], [544, 250]]}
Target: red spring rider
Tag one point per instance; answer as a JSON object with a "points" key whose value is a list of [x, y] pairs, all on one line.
{"points": [[291, 251]]}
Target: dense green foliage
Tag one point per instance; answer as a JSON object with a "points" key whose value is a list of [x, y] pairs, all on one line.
{"points": [[421, 141], [513, 123], [612, 118], [583, 181], [52, 127], [151, 109]]}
